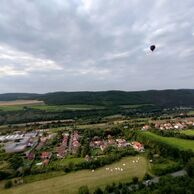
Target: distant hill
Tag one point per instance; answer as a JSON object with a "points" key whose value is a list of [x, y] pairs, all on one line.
{"points": [[17, 96], [166, 98]]}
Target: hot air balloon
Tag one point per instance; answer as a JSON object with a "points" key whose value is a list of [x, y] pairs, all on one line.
{"points": [[152, 47]]}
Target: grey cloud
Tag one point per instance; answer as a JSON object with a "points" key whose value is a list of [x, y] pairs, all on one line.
{"points": [[95, 45]]}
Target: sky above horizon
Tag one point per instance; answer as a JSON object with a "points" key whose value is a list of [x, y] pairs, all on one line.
{"points": [[77, 45]]}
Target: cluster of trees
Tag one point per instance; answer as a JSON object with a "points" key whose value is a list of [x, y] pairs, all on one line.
{"points": [[15, 161], [120, 188], [172, 133], [167, 184], [178, 185]]}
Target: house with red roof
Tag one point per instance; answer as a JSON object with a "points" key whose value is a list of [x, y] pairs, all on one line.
{"points": [[138, 146], [46, 155]]}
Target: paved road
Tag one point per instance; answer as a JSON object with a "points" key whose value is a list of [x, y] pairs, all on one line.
{"points": [[174, 174], [156, 179], [179, 173], [70, 142]]}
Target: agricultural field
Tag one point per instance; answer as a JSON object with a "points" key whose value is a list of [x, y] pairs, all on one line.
{"points": [[70, 183], [182, 144], [21, 102], [41, 106], [59, 108], [18, 104], [188, 132], [92, 126]]}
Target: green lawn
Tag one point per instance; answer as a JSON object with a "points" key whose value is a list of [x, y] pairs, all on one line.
{"points": [[69, 184], [188, 132], [182, 144]]}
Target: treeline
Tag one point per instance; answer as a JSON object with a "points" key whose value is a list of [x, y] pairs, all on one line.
{"points": [[170, 185], [163, 148], [172, 133], [166, 185], [32, 115]]}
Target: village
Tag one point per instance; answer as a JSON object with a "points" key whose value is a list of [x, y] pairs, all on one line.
{"points": [[178, 124], [68, 149], [41, 145], [118, 142]]}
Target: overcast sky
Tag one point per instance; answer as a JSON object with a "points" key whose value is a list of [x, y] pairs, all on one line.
{"points": [[71, 45]]}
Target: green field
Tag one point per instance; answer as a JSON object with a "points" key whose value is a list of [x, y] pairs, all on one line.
{"points": [[70, 183], [132, 106], [163, 166], [189, 132], [51, 108], [92, 126], [12, 108], [191, 112], [182, 144], [67, 161]]}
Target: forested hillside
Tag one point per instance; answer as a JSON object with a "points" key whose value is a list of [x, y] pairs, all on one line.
{"points": [[166, 98]]}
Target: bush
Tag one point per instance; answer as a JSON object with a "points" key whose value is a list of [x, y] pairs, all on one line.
{"points": [[83, 190], [8, 184], [4, 174], [190, 168], [135, 180], [98, 191], [147, 176]]}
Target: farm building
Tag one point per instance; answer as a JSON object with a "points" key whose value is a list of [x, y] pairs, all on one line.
{"points": [[20, 146]]}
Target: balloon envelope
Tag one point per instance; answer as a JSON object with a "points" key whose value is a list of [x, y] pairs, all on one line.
{"points": [[152, 47]]}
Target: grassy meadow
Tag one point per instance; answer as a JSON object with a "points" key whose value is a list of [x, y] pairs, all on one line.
{"points": [[70, 183], [191, 112], [182, 144], [189, 132]]}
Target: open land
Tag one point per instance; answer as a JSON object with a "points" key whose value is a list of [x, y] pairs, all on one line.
{"points": [[71, 182]]}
